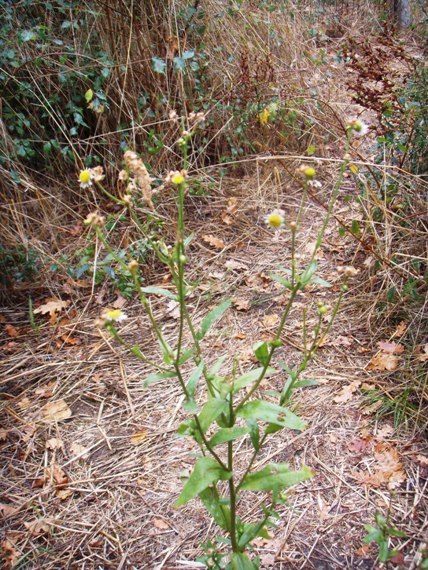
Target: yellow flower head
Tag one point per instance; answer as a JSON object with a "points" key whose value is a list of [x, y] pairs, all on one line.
{"points": [[85, 178], [275, 219], [178, 179], [264, 116], [114, 315]]}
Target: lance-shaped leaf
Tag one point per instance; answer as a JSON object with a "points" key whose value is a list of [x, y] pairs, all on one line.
{"points": [[249, 377], [212, 317], [240, 561], [275, 476], [227, 434], [219, 512], [265, 411], [210, 412], [160, 291], [206, 472], [157, 377], [261, 350], [194, 379], [306, 276], [285, 282]]}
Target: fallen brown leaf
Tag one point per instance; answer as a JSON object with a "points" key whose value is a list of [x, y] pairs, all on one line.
{"points": [[7, 510], [38, 526], [10, 555], [46, 391], [270, 320], [54, 443], [52, 307], [390, 347], [424, 354], [401, 329], [160, 523], [384, 361], [11, 331], [347, 392], [56, 411], [64, 494], [119, 302], [138, 437], [241, 304], [214, 241]]}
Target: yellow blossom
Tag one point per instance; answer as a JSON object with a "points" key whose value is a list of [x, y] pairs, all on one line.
{"points": [[85, 178], [275, 219], [264, 116]]}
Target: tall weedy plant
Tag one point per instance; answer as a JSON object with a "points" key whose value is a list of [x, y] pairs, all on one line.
{"points": [[222, 409]]}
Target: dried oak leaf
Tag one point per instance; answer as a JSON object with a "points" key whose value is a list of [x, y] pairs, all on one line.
{"points": [[39, 526], [52, 307], [241, 304], [347, 392], [7, 510], [384, 361], [214, 241], [9, 553], [55, 411], [424, 354], [401, 329], [390, 347], [270, 320]]}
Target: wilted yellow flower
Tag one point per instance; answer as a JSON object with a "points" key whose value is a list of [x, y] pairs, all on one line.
{"points": [[275, 219], [94, 219], [308, 172], [138, 169], [97, 173]]}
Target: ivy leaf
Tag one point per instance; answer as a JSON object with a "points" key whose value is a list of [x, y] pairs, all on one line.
{"points": [[179, 63], [267, 412], [275, 476], [205, 473], [188, 54], [159, 65]]}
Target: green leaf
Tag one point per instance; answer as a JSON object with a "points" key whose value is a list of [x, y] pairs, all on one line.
{"points": [[219, 512], [281, 280], [157, 377], [253, 426], [306, 276], [306, 383], [275, 476], [320, 281], [190, 406], [88, 95], [27, 35], [187, 355], [249, 377], [188, 54], [194, 379], [383, 551], [240, 561], [261, 350], [205, 472], [355, 228], [160, 291], [210, 412], [212, 317], [265, 411], [159, 65], [216, 366], [179, 63], [311, 150], [227, 434]]}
